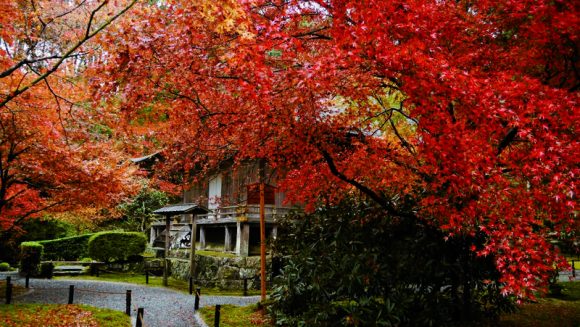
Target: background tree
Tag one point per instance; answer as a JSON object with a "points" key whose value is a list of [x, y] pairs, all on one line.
{"points": [[53, 155], [138, 212], [481, 138]]}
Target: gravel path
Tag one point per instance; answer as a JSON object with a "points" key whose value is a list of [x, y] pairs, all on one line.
{"points": [[162, 307]]}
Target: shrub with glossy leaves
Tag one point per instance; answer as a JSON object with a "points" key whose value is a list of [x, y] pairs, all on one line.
{"points": [[116, 246], [352, 265]]}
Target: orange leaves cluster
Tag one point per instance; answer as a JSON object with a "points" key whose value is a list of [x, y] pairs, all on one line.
{"points": [[60, 316], [56, 150]]}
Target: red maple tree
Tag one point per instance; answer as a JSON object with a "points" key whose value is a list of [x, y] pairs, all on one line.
{"points": [[54, 154], [459, 113]]}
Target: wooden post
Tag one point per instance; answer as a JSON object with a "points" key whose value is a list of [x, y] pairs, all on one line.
{"points": [[167, 240], [140, 313], [8, 290], [573, 270], [128, 303], [27, 283], [197, 295], [262, 245], [244, 238], [227, 239], [193, 239], [202, 237], [71, 294], [216, 321], [146, 276], [190, 285]]}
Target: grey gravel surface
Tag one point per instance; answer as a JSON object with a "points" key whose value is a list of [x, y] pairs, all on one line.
{"points": [[162, 307]]}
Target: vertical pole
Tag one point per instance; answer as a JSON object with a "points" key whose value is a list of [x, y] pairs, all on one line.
{"points": [[573, 270], [71, 294], [27, 283], [262, 244], [196, 303], [146, 276], [193, 239], [140, 313], [245, 287], [167, 240], [8, 290], [216, 321], [97, 270], [190, 285], [128, 303]]}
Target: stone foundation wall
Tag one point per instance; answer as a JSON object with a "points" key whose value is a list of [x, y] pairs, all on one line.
{"points": [[223, 273]]}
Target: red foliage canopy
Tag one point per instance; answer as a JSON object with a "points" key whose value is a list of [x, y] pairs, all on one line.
{"points": [[53, 152], [460, 113]]}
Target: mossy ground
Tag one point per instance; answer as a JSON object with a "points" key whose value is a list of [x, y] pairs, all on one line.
{"points": [[235, 316]]}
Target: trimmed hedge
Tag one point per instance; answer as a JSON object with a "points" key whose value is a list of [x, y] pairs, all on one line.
{"points": [[66, 248], [116, 246], [30, 255], [46, 270]]}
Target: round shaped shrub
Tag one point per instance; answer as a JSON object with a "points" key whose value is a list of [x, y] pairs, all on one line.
{"points": [[46, 270], [116, 246], [4, 266]]}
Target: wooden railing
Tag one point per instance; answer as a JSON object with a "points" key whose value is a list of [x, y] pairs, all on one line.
{"points": [[247, 213]]}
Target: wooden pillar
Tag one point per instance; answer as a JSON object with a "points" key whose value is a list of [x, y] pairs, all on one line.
{"points": [[238, 238], [262, 245], [227, 239], [243, 239], [202, 237], [152, 235], [193, 238], [166, 254]]}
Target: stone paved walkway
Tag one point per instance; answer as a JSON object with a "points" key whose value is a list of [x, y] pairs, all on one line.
{"points": [[162, 307]]}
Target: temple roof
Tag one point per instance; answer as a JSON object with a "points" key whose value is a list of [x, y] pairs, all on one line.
{"points": [[180, 209]]}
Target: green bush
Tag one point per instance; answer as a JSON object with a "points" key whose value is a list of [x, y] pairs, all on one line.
{"points": [[353, 265], [46, 270], [116, 246], [4, 266], [30, 255], [66, 248], [33, 229]]}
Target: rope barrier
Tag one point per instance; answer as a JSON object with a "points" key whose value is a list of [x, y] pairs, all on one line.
{"points": [[76, 289]]}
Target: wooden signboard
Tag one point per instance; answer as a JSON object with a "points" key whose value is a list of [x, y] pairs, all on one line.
{"points": [[254, 194]]}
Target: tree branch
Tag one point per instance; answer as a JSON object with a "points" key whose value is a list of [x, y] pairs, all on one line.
{"points": [[68, 54], [379, 199], [510, 136]]}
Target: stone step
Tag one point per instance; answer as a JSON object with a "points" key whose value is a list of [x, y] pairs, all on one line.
{"points": [[69, 270]]}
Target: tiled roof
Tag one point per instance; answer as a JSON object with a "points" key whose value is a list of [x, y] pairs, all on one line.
{"points": [[179, 209]]}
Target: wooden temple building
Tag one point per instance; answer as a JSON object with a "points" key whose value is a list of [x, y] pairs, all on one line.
{"points": [[227, 214]]}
